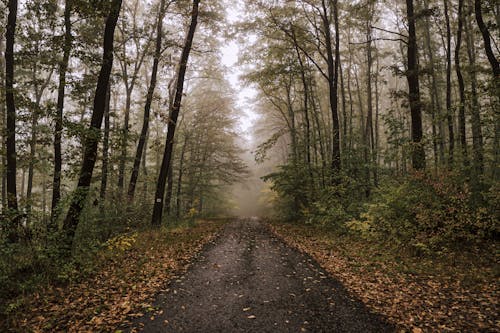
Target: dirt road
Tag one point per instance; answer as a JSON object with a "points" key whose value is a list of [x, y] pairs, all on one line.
{"points": [[249, 281]]}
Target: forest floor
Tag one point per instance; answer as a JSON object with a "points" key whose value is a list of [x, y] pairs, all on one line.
{"points": [[450, 291], [250, 281], [129, 273]]}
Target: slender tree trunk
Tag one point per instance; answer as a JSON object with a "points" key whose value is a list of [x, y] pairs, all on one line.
{"points": [[461, 85], [166, 162], [105, 150], [449, 110], [63, 67], [11, 110], [3, 148], [147, 108], [333, 65], [370, 140], [418, 151], [495, 68], [170, 188], [92, 137], [477, 133], [438, 139], [13, 213]]}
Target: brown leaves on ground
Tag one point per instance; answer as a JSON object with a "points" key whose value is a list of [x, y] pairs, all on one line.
{"points": [[439, 300], [124, 288]]}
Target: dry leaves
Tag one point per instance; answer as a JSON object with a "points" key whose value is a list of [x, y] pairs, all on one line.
{"points": [[415, 302], [123, 289]]}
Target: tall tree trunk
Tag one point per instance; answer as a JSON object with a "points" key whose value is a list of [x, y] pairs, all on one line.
{"points": [[333, 75], [369, 135], [461, 85], [166, 162], [495, 68], [105, 150], [170, 188], [147, 108], [418, 151], [92, 137], [3, 149], [179, 178], [477, 133], [124, 141], [11, 119], [438, 139], [449, 110], [63, 67]]}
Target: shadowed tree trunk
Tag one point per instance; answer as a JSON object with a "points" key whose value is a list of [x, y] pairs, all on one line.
{"points": [[495, 68], [105, 150], [418, 152], [461, 85], [147, 108], [11, 116], [166, 162], [449, 110], [93, 134], [3, 159], [63, 67]]}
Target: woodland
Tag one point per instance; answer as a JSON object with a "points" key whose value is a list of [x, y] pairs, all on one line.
{"points": [[376, 122]]}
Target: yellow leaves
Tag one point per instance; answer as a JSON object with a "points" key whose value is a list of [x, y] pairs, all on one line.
{"points": [[122, 243], [415, 302], [123, 286]]}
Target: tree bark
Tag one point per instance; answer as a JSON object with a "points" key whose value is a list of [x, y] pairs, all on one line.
{"points": [[166, 162], [179, 179], [105, 150], [333, 75], [63, 67], [11, 107], [418, 152], [3, 149], [477, 133], [461, 85], [92, 138], [449, 110], [147, 108]]}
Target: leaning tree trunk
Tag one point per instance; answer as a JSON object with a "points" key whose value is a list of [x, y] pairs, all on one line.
{"points": [[63, 67], [11, 118], [412, 75], [147, 108], [92, 137], [167, 156]]}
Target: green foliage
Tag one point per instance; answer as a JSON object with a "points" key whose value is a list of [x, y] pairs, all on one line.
{"points": [[429, 213]]}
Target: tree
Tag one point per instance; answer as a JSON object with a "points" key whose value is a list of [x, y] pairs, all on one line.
{"points": [[92, 138], [58, 120], [11, 111], [149, 98], [412, 75], [173, 115]]}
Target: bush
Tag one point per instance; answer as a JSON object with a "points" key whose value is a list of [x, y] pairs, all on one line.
{"points": [[430, 212]]}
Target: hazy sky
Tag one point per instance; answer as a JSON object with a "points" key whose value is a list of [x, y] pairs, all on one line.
{"points": [[245, 95]]}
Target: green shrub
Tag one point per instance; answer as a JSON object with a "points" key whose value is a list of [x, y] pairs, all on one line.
{"points": [[429, 212]]}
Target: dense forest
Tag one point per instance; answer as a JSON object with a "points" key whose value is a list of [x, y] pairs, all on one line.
{"points": [[374, 119]]}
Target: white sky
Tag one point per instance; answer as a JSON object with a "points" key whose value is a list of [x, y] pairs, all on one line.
{"points": [[244, 95]]}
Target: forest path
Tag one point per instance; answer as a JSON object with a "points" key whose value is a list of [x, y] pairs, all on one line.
{"points": [[249, 281]]}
